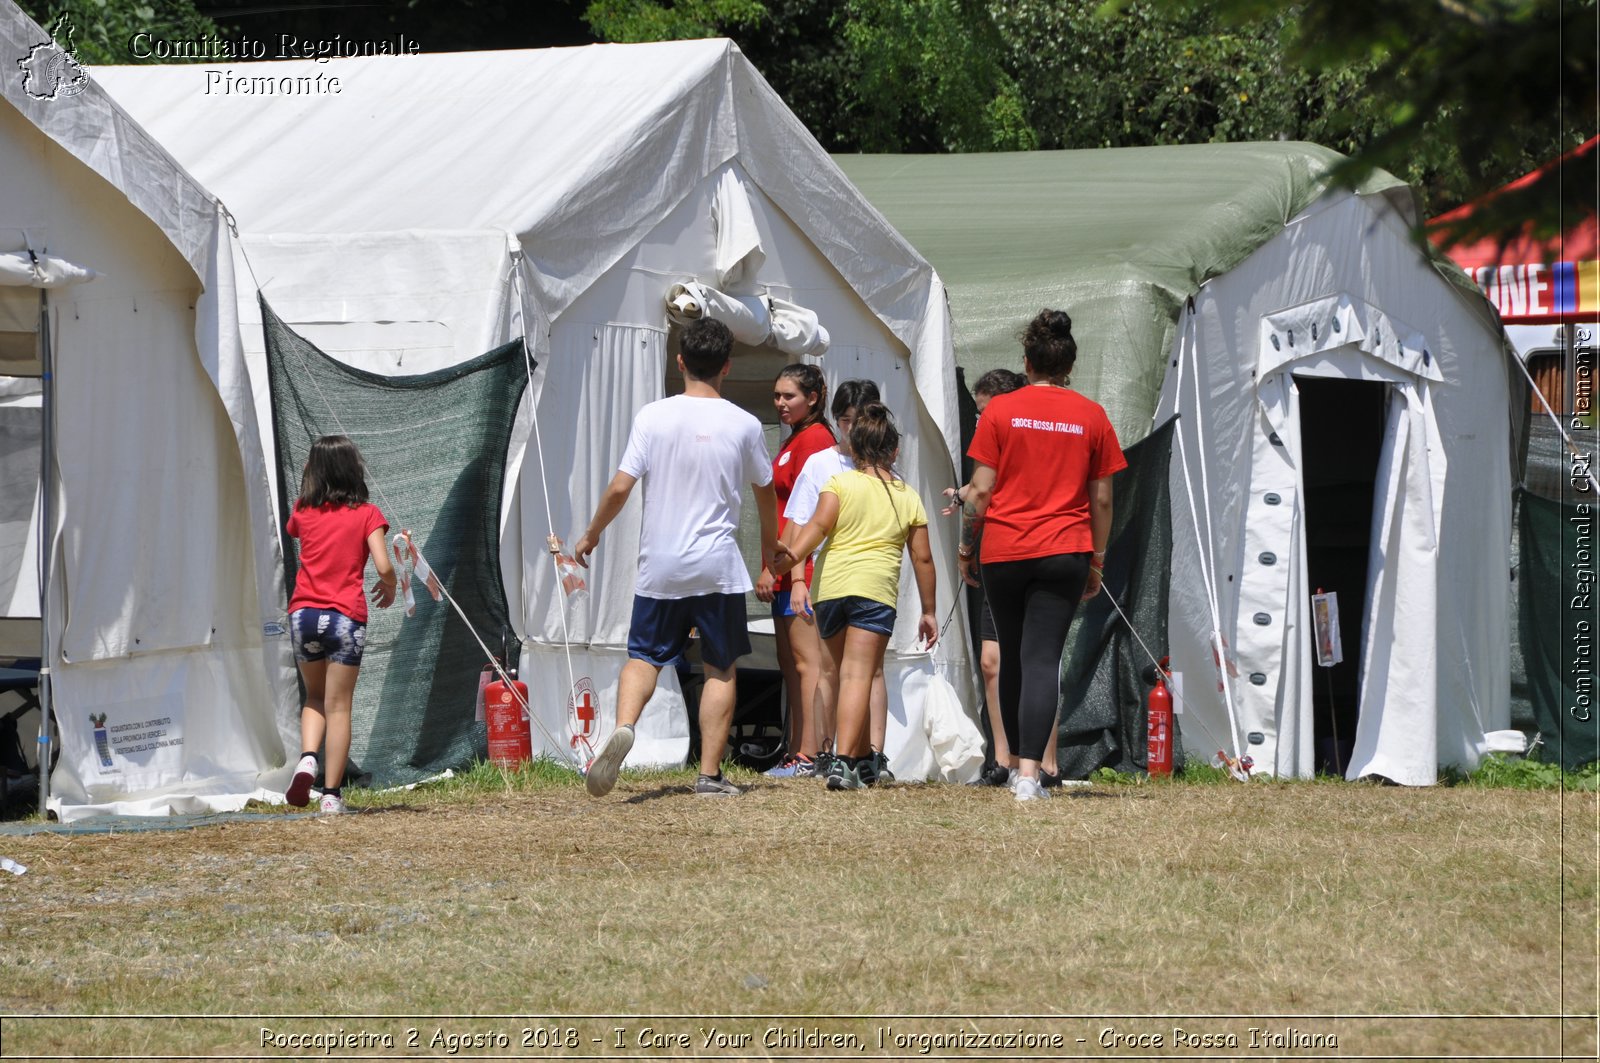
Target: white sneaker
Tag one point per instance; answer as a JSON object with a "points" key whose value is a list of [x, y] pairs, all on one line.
{"points": [[305, 773], [332, 805], [603, 772], [1026, 789]]}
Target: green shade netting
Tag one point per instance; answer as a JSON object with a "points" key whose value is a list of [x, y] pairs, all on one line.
{"points": [[435, 448], [1103, 721], [1557, 620]]}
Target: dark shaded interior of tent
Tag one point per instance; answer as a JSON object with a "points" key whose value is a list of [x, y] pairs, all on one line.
{"points": [[1341, 440]]}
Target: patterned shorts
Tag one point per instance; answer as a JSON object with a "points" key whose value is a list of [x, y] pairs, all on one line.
{"points": [[326, 634]]}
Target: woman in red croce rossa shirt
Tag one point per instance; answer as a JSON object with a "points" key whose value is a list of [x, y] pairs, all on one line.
{"points": [[338, 530], [1041, 492]]}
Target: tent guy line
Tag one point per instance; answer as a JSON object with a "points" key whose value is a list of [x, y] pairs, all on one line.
{"points": [[552, 541], [1238, 768]]}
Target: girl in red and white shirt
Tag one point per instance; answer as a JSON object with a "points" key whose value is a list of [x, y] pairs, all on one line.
{"points": [[801, 395]]}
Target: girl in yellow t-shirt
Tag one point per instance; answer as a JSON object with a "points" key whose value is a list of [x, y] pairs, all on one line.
{"points": [[868, 518]]}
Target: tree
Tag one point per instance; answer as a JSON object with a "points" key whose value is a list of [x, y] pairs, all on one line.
{"points": [[864, 75], [103, 30], [1499, 85]]}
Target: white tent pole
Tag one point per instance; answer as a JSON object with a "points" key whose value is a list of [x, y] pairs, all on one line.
{"points": [[46, 538]]}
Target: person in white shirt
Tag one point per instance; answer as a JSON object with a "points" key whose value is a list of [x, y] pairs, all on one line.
{"points": [[693, 452]]}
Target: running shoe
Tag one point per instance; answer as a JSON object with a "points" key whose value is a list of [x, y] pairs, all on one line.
{"points": [[994, 775], [880, 766], [305, 773], [333, 805], [794, 766], [603, 772], [1027, 789], [844, 776], [715, 786]]}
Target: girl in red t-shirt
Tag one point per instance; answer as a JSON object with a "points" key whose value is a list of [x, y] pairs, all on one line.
{"points": [[338, 529], [801, 395]]}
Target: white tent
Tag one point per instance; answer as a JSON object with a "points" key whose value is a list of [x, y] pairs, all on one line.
{"points": [[435, 206], [155, 625], [1320, 365], [1333, 370]]}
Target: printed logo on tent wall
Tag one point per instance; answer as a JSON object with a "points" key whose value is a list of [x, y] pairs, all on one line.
{"points": [[51, 69], [435, 450], [137, 739]]}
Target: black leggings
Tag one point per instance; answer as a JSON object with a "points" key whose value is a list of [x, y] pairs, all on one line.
{"points": [[1033, 601]]}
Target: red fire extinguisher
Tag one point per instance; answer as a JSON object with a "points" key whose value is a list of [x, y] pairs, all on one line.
{"points": [[1158, 711], [505, 710]]}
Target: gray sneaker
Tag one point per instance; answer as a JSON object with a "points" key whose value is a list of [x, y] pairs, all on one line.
{"points": [[603, 772], [844, 776], [715, 786]]}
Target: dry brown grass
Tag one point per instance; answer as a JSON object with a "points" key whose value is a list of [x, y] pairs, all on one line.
{"points": [[1177, 900]]}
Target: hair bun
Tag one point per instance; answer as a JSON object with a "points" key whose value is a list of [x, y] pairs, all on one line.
{"points": [[1059, 322]]}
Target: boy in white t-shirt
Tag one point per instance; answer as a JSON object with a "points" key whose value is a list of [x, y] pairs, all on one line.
{"points": [[693, 452]]}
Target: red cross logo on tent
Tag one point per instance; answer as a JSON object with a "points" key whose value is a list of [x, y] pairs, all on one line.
{"points": [[583, 715]]}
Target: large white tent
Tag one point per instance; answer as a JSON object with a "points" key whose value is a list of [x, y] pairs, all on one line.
{"points": [[158, 664], [1404, 467], [1344, 423], [435, 206]]}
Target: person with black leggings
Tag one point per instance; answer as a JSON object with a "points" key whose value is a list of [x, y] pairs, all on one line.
{"points": [[1041, 492]]}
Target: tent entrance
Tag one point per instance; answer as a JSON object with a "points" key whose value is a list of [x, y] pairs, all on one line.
{"points": [[1341, 443]]}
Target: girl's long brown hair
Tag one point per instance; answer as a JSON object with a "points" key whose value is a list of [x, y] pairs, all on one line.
{"points": [[335, 475]]}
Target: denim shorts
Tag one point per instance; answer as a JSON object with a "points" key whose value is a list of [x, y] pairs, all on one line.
{"points": [[659, 631], [326, 635], [835, 614]]}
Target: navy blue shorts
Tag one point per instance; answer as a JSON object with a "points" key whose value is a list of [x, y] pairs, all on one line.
{"points": [[835, 614], [659, 631], [326, 635]]}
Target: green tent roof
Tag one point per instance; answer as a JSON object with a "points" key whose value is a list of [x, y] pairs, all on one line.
{"points": [[1118, 238]]}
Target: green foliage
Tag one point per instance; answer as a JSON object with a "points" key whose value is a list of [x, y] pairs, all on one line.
{"points": [[1476, 92], [103, 30], [929, 77], [632, 21], [1498, 771], [864, 75]]}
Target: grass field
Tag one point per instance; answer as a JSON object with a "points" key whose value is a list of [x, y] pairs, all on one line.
{"points": [[1438, 923]]}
